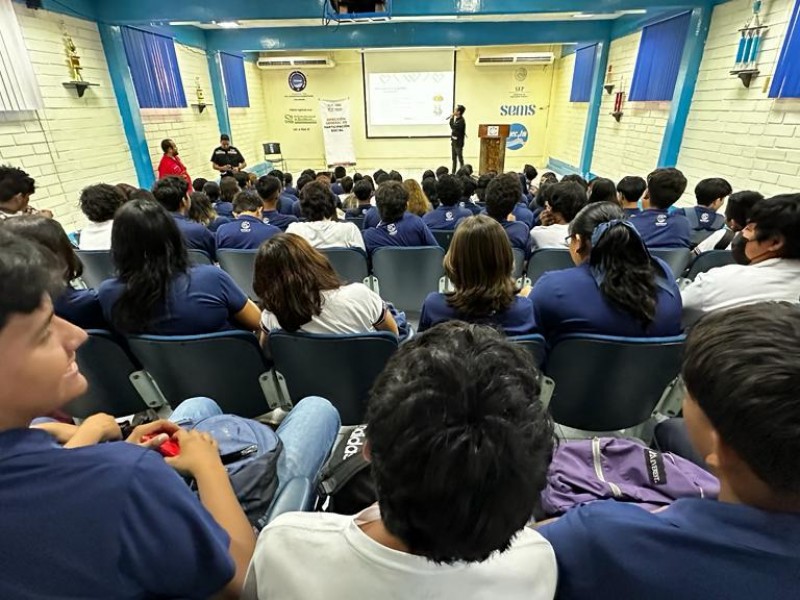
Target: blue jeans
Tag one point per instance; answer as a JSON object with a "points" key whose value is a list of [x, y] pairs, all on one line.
{"points": [[307, 433]]}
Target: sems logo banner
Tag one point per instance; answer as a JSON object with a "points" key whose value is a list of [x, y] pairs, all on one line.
{"points": [[517, 110], [297, 81]]}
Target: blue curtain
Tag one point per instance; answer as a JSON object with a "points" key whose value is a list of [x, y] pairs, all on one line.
{"points": [[235, 81], [659, 60], [154, 69], [786, 81], [585, 59]]}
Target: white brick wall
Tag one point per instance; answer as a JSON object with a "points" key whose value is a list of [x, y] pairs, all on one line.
{"points": [[738, 133], [567, 120], [249, 125], [71, 142]]}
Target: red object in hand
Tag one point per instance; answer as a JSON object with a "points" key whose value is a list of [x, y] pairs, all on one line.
{"points": [[168, 448]]}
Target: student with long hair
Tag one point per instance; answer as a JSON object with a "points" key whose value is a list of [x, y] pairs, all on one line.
{"points": [[617, 287], [157, 291], [301, 291], [201, 210], [479, 263], [418, 203]]}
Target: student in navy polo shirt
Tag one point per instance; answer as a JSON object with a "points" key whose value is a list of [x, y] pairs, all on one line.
{"points": [[741, 413], [228, 188], [429, 188], [502, 195], [480, 263], [630, 190], [363, 193], [469, 185], [397, 227], [704, 218], [285, 199], [302, 182], [157, 291], [248, 231], [268, 189], [171, 193], [449, 213], [201, 210], [617, 288], [521, 212], [659, 227], [737, 215], [287, 185]]}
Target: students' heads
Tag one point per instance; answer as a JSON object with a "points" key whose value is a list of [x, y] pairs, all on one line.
{"points": [[502, 195], [363, 191], [277, 175], [577, 179], [479, 262], [247, 201], [395, 176], [126, 189], [169, 147], [428, 174], [712, 192], [458, 461], [468, 187], [530, 172], [224, 141], [392, 201], [429, 187], [201, 209], [100, 202], [483, 183], [199, 183], [268, 189], [316, 203], [16, 189], [170, 193], [738, 208], [303, 181], [339, 173], [51, 235], [37, 349], [242, 179], [309, 173], [289, 278], [287, 179], [382, 178], [378, 173], [664, 188], [448, 190], [441, 171], [468, 168], [741, 409], [773, 230], [418, 203], [148, 251], [548, 177], [631, 189], [347, 184], [602, 190], [211, 189], [566, 200], [228, 188]]}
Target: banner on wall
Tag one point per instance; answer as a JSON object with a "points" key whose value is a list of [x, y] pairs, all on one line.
{"points": [[337, 132]]}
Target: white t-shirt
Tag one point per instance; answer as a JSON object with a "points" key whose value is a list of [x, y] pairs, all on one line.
{"points": [[351, 308], [301, 556], [550, 236], [776, 279], [96, 236], [711, 241], [329, 234]]}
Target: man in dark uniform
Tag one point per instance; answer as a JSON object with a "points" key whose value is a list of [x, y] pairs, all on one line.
{"points": [[226, 158], [458, 128]]}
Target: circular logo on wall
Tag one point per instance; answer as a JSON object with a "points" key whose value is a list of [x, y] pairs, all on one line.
{"points": [[297, 81], [518, 137], [521, 74]]}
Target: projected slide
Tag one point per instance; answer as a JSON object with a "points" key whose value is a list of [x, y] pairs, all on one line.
{"points": [[410, 98]]}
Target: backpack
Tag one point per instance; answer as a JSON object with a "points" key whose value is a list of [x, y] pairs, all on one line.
{"points": [[346, 485], [583, 471], [249, 450]]}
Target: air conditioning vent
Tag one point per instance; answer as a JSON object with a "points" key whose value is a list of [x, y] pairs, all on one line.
{"points": [[530, 58], [267, 62]]}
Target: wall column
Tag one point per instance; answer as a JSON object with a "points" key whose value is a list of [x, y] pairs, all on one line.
{"points": [[218, 88], [595, 100]]}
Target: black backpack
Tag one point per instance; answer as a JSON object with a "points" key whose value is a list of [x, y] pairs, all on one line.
{"points": [[346, 485]]}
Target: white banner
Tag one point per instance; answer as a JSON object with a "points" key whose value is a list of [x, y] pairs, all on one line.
{"points": [[336, 132]]}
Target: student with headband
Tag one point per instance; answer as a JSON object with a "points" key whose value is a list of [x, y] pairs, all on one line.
{"points": [[617, 287]]}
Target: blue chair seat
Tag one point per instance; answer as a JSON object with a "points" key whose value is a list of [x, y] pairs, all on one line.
{"points": [[710, 260], [405, 276], [349, 263], [240, 265], [97, 266]]}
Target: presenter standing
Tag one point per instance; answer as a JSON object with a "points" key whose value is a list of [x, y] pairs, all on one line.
{"points": [[458, 129], [226, 158]]}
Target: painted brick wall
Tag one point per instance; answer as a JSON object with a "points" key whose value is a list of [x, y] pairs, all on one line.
{"points": [[735, 132], [71, 142], [567, 120], [249, 125]]}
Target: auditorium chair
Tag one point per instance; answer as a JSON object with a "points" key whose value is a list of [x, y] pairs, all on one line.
{"points": [[443, 237], [97, 266], [519, 264], [533, 343], [547, 259], [239, 264], [349, 263], [710, 260], [198, 257], [359, 221], [340, 368], [405, 276], [677, 258]]}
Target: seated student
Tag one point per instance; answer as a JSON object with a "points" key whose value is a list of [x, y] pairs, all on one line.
{"points": [[201, 210], [303, 181], [629, 192], [319, 228], [501, 197], [737, 214], [480, 191], [546, 180], [429, 188], [395, 176], [269, 189], [579, 180], [469, 185], [530, 174], [602, 190], [418, 203], [449, 213], [441, 172], [428, 174], [741, 412], [171, 193], [242, 180], [659, 227], [704, 218], [287, 185], [521, 212], [78, 306], [228, 188], [199, 183], [617, 288], [16, 189], [347, 188], [157, 291], [480, 263], [363, 193], [397, 227], [337, 187], [300, 291], [768, 253], [285, 200], [248, 231], [99, 203], [459, 462], [564, 201]]}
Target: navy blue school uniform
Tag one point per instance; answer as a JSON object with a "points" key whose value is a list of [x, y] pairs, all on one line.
{"points": [[224, 209], [629, 212], [245, 233], [695, 548], [409, 231], [570, 301], [337, 188], [218, 222], [105, 521], [662, 229], [286, 203], [296, 212], [358, 211], [517, 319], [371, 218], [81, 308], [523, 214], [195, 235], [281, 221], [203, 300], [471, 206], [519, 235], [291, 191], [702, 218], [445, 218]]}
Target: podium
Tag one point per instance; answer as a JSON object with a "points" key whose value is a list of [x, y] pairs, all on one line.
{"points": [[493, 147]]}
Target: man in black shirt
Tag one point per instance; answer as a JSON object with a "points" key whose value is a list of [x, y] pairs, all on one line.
{"points": [[458, 128], [226, 158]]}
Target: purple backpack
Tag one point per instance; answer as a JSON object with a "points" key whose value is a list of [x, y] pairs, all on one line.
{"points": [[583, 471]]}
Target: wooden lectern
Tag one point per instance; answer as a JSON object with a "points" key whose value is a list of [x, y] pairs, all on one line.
{"points": [[493, 147]]}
